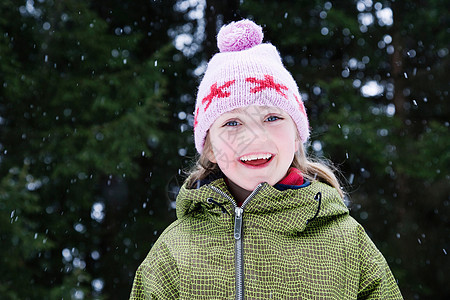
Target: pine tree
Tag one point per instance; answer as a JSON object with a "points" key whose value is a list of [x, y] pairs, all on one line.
{"points": [[80, 111]]}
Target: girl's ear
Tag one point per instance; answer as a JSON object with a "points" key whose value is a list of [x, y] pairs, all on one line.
{"points": [[297, 142], [208, 150], [210, 155]]}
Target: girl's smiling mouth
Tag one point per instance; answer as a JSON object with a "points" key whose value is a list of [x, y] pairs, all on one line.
{"points": [[257, 160]]}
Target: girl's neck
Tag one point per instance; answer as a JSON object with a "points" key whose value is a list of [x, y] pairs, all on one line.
{"points": [[238, 193]]}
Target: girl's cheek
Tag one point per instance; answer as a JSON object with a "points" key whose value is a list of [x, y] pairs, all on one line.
{"points": [[231, 136]]}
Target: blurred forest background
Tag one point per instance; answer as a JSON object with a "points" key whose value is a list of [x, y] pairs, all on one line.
{"points": [[96, 103]]}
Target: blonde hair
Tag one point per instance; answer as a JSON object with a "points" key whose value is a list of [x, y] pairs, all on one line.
{"points": [[313, 169]]}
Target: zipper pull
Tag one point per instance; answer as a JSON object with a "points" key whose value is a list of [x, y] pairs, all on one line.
{"points": [[238, 222]]}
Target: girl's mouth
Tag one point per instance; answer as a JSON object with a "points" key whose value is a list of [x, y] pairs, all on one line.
{"points": [[256, 160]]}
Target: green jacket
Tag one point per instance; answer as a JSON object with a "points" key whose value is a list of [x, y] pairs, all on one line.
{"points": [[292, 244]]}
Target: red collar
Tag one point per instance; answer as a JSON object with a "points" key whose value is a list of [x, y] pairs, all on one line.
{"points": [[294, 177]]}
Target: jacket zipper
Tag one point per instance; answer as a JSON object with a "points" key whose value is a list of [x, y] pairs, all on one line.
{"points": [[239, 251]]}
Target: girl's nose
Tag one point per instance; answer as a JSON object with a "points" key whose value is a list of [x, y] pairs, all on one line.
{"points": [[256, 135], [258, 131], [261, 135]]}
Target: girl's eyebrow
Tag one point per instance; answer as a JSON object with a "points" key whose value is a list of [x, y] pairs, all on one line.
{"points": [[264, 110], [233, 113], [237, 110]]}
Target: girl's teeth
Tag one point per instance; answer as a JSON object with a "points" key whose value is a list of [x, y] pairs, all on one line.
{"points": [[250, 157]]}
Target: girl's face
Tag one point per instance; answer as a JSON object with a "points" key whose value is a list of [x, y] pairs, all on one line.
{"points": [[253, 144]]}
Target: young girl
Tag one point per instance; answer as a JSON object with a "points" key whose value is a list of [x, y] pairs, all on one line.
{"points": [[256, 218]]}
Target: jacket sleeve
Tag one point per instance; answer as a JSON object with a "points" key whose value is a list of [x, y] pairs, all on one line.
{"points": [[376, 279], [157, 277]]}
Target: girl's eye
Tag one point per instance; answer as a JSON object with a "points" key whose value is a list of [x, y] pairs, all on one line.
{"points": [[231, 123], [272, 118]]}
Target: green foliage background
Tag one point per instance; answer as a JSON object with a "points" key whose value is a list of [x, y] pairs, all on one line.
{"points": [[96, 102]]}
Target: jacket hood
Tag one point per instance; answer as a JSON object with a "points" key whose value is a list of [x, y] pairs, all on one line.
{"points": [[288, 211]]}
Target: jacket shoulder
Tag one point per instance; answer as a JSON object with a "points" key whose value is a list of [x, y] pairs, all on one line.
{"points": [[176, 230], [376, 280], [158, 276]]}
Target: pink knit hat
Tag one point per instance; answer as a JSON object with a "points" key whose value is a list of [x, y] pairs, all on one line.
{"points": [[244, 73]]}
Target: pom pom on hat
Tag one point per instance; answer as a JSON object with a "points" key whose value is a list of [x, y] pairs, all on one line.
{"points": [[238, 36]]}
